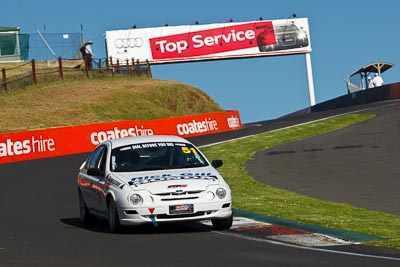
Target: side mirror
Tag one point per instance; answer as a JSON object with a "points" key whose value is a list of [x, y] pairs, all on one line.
{"points": [[95, 172], [216, 163]]}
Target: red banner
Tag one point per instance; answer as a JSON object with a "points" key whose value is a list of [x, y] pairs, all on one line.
{"points": [[53, 142], [212, 41]]}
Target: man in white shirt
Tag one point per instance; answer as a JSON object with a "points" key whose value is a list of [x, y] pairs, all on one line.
{"points": [[88, 55], [378, 81]]}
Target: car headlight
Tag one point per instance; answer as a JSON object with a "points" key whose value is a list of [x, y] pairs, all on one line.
{"points": [[135, 199], [221, 193]]}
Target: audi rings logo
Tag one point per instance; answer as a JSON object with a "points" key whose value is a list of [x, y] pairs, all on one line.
{"points": [[129, 42]]}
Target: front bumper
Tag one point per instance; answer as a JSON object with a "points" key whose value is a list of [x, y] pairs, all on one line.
{"points": [[160, 213]]}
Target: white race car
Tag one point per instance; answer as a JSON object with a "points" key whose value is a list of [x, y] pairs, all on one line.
{"points": [[152, 179]]}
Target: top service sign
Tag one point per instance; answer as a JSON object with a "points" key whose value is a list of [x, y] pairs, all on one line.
{"points": [[211, 41]]}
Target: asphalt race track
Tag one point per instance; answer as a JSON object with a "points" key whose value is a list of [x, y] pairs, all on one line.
{"points": [[39, 225], [358, 165]]}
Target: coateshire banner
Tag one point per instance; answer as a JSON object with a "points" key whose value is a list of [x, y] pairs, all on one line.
{"points": [[19, 146], [210, 41]]}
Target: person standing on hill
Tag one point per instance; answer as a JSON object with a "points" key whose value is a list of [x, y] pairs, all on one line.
{"points": [[87, 54]]}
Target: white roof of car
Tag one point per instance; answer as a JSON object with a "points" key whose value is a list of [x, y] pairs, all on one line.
{"points": [[146, 139]]}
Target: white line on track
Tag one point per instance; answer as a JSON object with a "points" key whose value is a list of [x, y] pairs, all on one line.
{"points": [[273, 242]]}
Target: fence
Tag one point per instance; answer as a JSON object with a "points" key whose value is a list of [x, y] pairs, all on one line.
{"points": [[34, 72], [50, 46], [15, 46]]}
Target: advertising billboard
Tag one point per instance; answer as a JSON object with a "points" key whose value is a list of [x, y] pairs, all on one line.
{"points": [[210, 41], [55, 142]]}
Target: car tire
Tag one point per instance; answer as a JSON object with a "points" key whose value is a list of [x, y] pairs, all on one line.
{"points": [[222, 224], [86, 217], [113, 218]]}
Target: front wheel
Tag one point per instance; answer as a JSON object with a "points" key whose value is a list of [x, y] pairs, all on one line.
{"points": [[113, 218], [222, 224]]}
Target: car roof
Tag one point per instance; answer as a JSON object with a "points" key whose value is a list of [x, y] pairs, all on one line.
{"points": [[146, 139]]}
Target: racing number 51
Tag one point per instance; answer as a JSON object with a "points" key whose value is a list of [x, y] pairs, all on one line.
{"points": [[187, 150]]}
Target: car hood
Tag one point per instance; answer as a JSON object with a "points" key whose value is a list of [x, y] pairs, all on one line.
{"points": [[166, 181]]}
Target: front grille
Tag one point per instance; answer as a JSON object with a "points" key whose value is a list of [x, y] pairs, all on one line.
{"points": [[184, 195], [179, 193], [178, 198]]}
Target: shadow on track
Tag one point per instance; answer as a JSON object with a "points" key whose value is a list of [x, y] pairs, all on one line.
{"points": [[100, 226]]}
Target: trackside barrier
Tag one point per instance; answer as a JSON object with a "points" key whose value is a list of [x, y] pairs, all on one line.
{"points": [[382, 93], [54, 142]]}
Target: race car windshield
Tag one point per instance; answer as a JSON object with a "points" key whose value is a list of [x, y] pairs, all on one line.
{"points": [[156, 156]]}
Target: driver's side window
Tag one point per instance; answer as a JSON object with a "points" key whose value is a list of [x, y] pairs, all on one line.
{"points": [[97, 159]]}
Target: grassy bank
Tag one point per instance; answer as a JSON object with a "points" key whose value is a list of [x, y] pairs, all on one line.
{"points": [[254, 196], [75, 102]]}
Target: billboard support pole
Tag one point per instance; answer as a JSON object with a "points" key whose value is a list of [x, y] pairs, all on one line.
{"points": [[310, 79]]}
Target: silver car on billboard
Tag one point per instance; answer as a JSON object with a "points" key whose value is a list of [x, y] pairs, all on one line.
{"points": [[287, 36]]}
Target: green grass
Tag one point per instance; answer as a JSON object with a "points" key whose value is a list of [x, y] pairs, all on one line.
{"points": [[251, 195]]}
